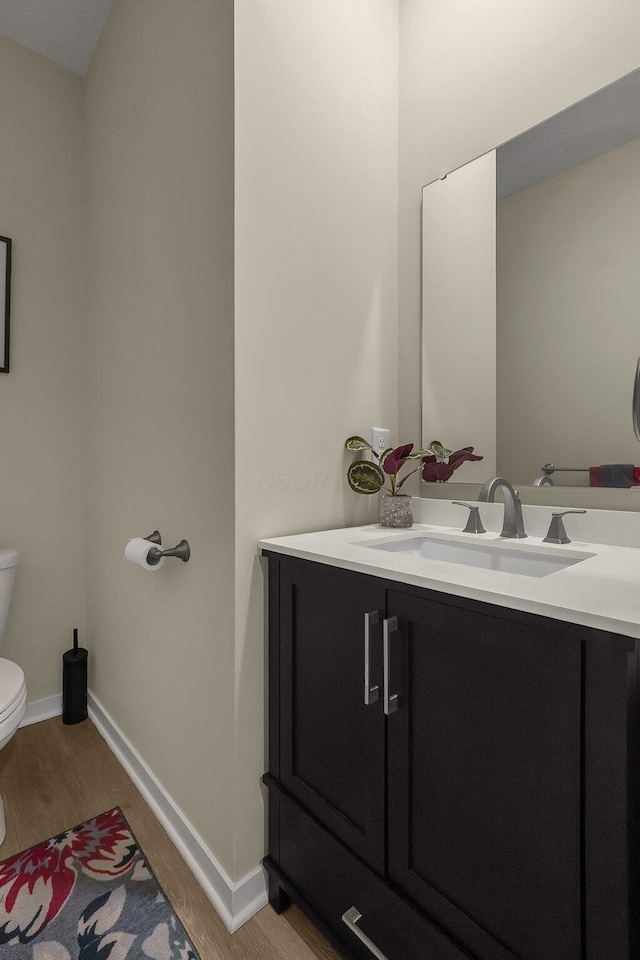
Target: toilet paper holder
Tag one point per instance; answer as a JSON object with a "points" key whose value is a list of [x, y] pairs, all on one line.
{"points": [[182, 551]]}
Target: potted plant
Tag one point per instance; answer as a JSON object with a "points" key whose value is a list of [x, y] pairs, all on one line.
{"points": [[372, 476]]}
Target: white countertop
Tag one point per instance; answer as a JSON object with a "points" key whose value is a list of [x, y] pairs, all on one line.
{"points": [[602, 591]]}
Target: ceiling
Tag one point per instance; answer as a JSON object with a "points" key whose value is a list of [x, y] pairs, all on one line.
{"points": [[66, 31], [593, 126]]}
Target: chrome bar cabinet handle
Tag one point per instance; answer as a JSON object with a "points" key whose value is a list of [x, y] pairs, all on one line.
{"points": [[390, 699], [351, 918], [371, 691]]}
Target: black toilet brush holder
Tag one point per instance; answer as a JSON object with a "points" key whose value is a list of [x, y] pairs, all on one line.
{"points": [[74, 683]]}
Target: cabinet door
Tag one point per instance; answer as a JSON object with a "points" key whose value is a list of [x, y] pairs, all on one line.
{"points": [[485, 758], [332, 744]]}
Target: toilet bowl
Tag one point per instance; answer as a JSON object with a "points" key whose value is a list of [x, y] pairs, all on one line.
{"points": [[13, 689]]}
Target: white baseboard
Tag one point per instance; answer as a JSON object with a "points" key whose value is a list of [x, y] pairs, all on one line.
{"points": [[42, 710], [235, 902]]}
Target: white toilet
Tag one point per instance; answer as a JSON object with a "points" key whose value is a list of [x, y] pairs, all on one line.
{"points": [[13, 689]]}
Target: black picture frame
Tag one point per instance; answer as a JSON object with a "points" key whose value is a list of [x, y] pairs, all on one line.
{"points": [[5, 315]]}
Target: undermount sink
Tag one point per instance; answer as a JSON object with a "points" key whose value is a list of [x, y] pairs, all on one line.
{"points": [[524, 560]]}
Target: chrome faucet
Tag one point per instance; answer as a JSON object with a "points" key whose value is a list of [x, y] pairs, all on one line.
{"points": [[513, 524]]}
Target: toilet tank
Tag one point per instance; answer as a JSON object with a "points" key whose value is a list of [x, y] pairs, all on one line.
{"points": [[8, 564]]}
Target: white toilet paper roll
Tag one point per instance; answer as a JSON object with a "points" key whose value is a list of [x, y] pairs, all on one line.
{"points": [[137, 551]]}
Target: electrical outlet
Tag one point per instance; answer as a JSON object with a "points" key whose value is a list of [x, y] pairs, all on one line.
{"points": [[379, 439]]}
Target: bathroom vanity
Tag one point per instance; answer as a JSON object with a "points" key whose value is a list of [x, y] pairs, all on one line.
{"points": [[454, 749]]}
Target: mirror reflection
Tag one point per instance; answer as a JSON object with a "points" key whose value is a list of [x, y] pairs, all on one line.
{"points": [[531, 294]]}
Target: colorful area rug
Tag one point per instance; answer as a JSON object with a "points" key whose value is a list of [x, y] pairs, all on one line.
{"points": [[87, 894]]}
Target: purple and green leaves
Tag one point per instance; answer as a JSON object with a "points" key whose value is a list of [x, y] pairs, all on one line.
{"points": [[358, 443], [437, 470], [396, 459], [365, 477], [437, 463]]}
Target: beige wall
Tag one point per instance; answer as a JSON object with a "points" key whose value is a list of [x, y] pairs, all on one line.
{"points": [[159, 146], [42, 422], [316, 295], [568, 339], [474, 75], [316, 342]]}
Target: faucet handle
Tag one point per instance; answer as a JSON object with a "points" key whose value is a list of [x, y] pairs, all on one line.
{"points": [[557, 532], [474, 523]]}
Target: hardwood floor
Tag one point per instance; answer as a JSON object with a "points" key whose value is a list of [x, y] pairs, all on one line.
{"points": [[52, 777]]}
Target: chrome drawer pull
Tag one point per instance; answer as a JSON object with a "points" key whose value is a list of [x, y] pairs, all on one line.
{"points": [[371, 692], [390, 699], [351, 918]]}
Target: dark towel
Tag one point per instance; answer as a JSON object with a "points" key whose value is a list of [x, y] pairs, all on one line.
{"points": [[612, 475]]}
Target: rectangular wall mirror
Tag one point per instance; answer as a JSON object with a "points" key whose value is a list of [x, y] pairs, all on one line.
{"points": [[531, 300], [5, 302]]}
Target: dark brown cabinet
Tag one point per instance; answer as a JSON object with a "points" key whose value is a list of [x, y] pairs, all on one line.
{"points": [[450, 779], [484, 778], [332, 747]]}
